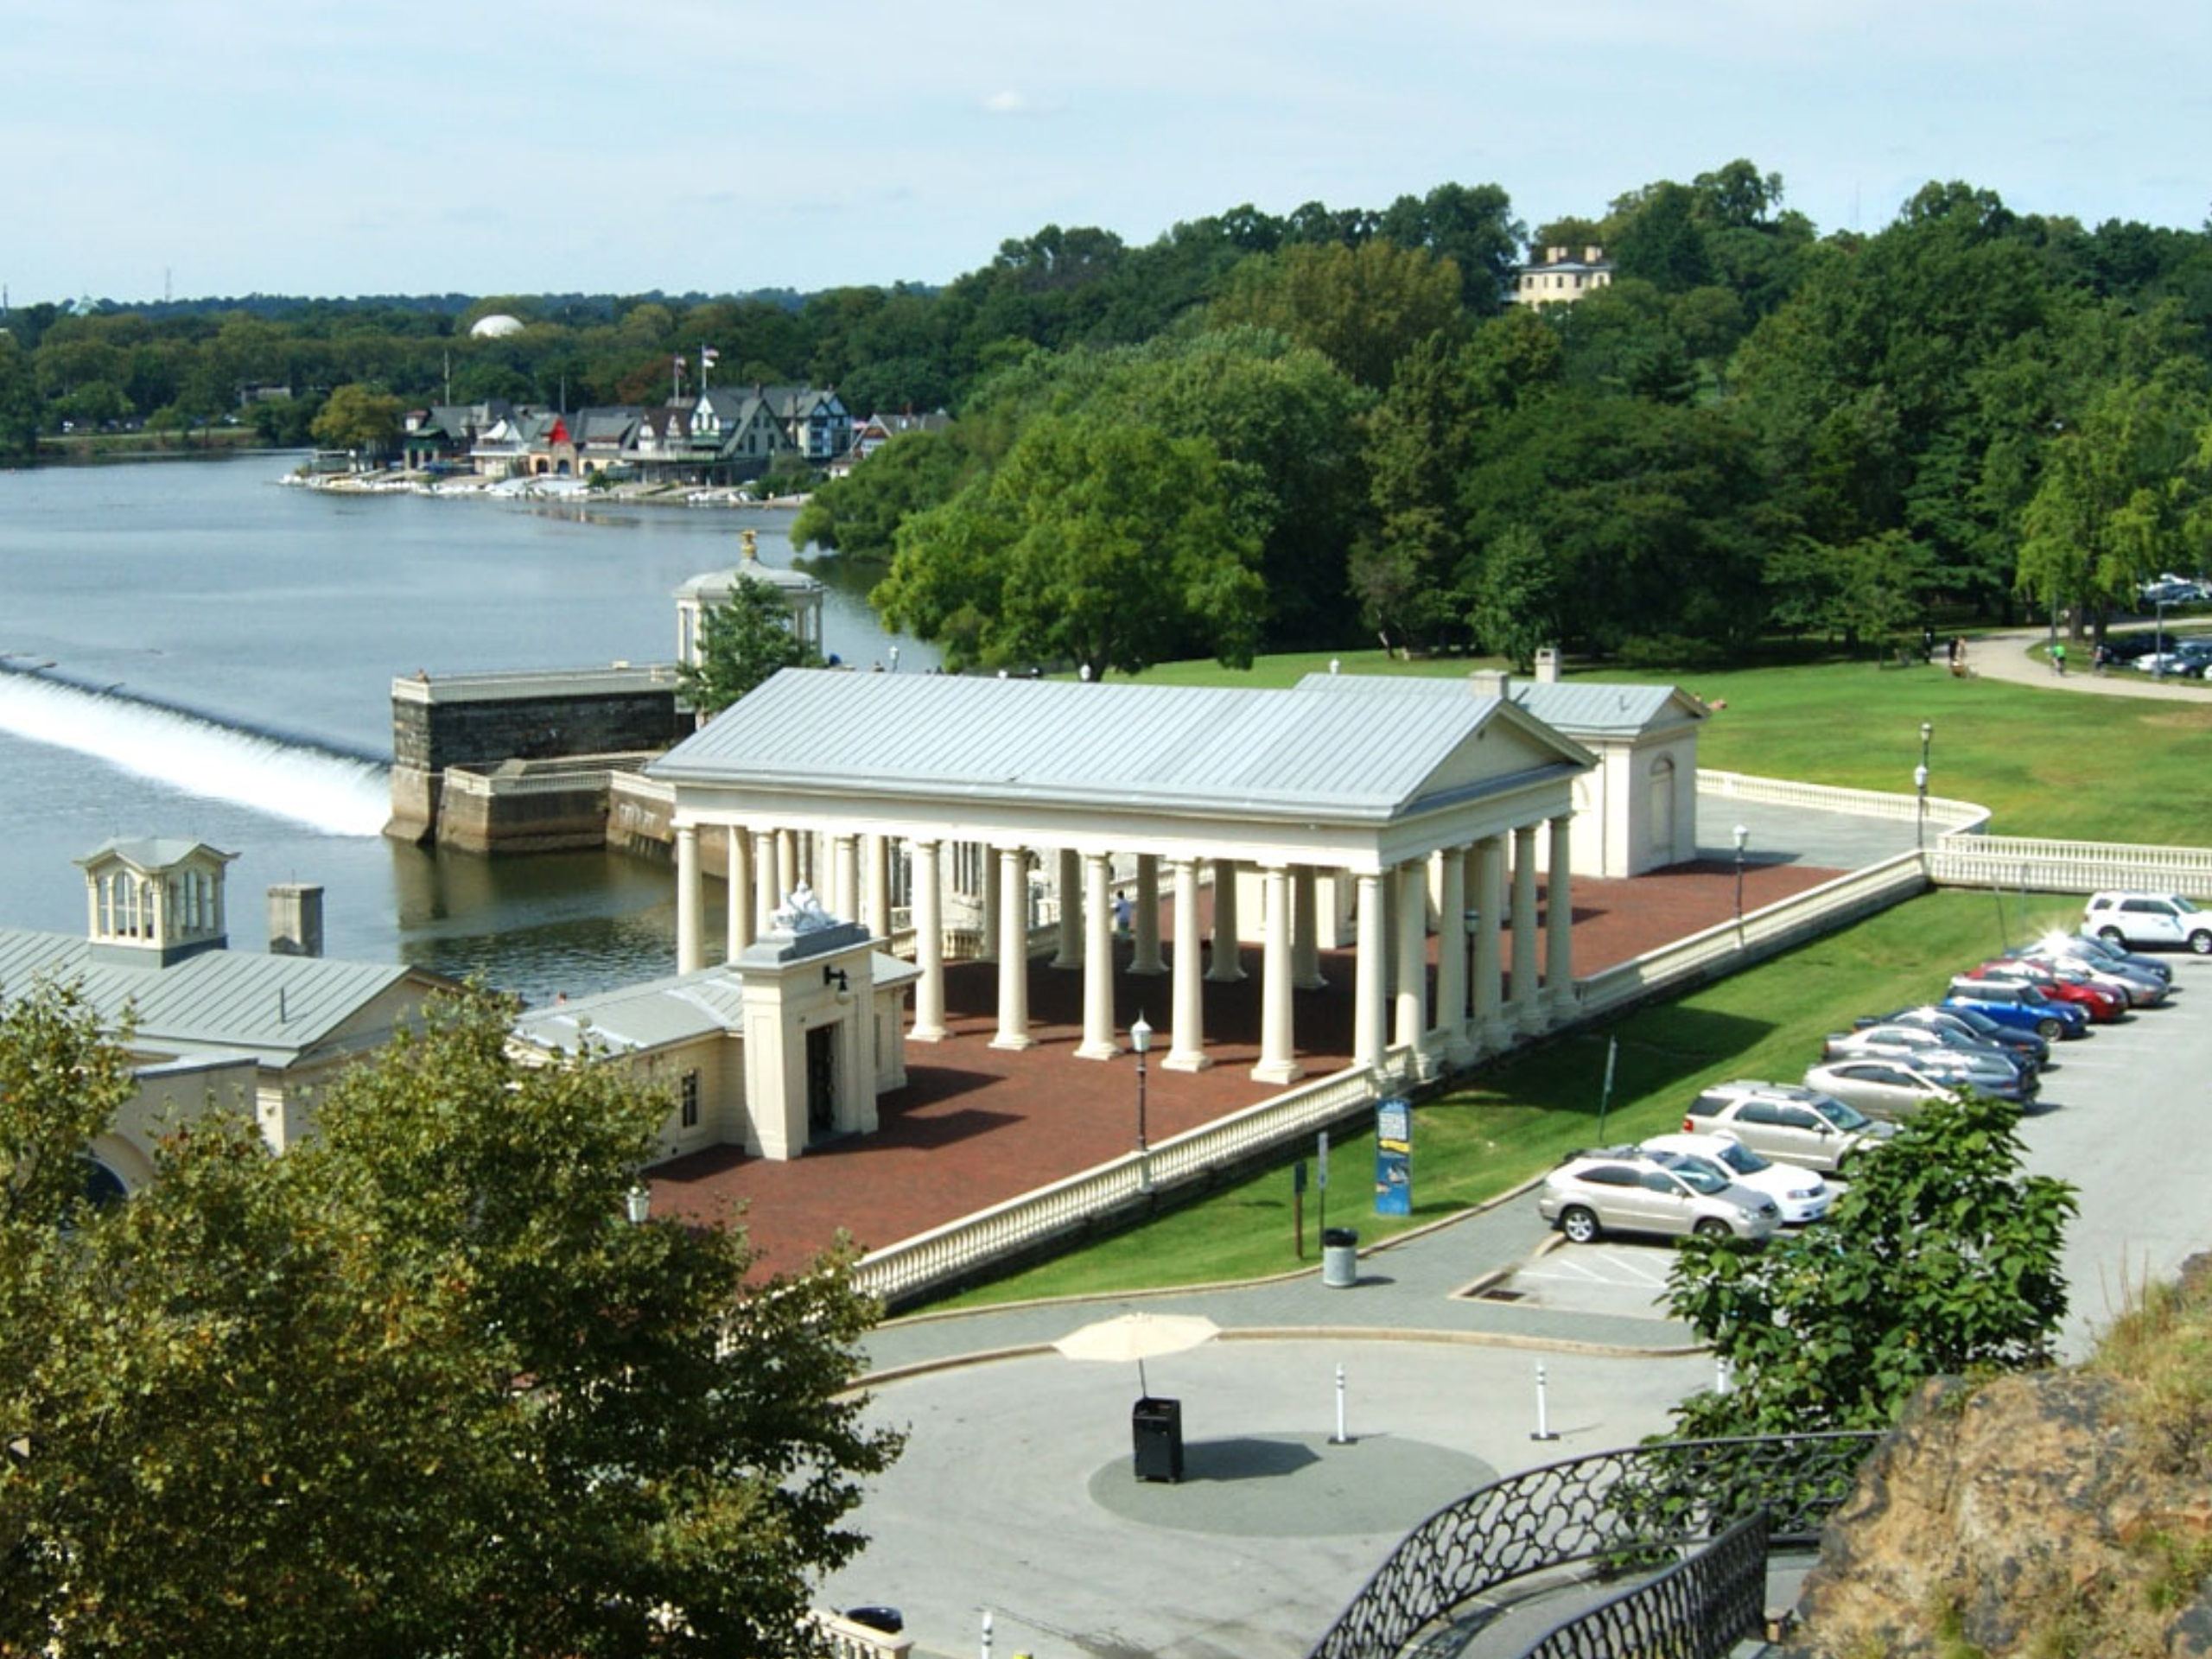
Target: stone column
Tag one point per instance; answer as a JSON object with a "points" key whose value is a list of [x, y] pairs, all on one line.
{"points": [[1278, 1043], [690, 926], [1523, 1012], [990, 950], [1146, 924], [1559, 921], [1305, 930], [875, 899], [1490, 935], [1410, 1028], [1226, 967], [737, 921], [1367, 1044], [845, 879], [1099, 1042], [1014, 949], [789, 875], [1452, 960], [1070, 954], [1188, 1040], [929, 947], [767, 875]]}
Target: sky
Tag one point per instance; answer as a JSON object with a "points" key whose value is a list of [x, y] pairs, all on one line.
{"points": [[305, 147]]}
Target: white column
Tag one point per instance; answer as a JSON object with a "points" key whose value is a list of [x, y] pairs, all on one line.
{"points": [[990, 952], [1523, 1012], [929, 947], [1099, 1042], [1305, 931], [1278, 1044], [1489, 901], [789, 875], [845, 878], [1146, 958], [737, 920], [1559, 921], [1014, 949], [1225, 968], [1410, 1028], [1452, 959], [690, 945], [1188, 1040], [1070, 954], [767, 877], [1367, 1045], [875, 899]]}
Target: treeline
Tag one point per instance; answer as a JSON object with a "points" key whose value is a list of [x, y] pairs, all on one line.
{"points": [[1261, 431]]}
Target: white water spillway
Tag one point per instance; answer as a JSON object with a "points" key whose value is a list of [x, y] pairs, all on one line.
{"points": [[338, 794]]}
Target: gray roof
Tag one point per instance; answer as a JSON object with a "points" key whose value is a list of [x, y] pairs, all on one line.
{"points": [[1582, 709], [148, 853], [661, 1011], [1198, 747], [275, 1008]]}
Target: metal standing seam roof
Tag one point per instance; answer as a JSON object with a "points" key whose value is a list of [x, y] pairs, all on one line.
{"points": [[664, 1011], [275, 1006], [1199, 747], [1595, 707]]}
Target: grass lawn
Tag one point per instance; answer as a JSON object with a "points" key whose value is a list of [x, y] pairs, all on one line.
{"points": [[1525, 1113], [2046, 762]]}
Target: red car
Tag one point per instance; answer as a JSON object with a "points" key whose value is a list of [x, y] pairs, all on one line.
{"points": [[2101, 1005]]}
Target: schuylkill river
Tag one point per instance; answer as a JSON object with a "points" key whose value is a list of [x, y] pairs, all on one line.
{"points": [[218, 654]]}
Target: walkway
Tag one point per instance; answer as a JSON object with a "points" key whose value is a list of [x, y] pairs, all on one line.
{"points": [[2005, 656]]}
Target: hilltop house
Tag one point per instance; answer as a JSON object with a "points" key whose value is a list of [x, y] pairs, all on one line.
{"points": [[1560, 278]]}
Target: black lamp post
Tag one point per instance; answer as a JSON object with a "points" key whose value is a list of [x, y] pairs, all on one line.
{"points": [[1920, 782], [1742, 840], [1140, 1041]]}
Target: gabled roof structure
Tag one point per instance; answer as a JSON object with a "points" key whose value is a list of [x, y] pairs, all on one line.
{"points": [[1583, 708]]}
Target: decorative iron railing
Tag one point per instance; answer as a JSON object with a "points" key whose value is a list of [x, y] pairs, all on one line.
{"points": [[1697, 1609], [1610, 1505]]}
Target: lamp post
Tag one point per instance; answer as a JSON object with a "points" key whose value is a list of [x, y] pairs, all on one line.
{"points": [[2158, 645], [1140, 1041], [1742, 840], [894, 659], [638, 1202], [1920, 783]]}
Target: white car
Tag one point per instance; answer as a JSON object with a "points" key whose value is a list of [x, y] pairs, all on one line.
{"points": [[2140, 918], [1800, 1194]]}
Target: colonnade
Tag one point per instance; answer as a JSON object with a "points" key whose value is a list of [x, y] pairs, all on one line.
{"points": [[1478, 1002]]}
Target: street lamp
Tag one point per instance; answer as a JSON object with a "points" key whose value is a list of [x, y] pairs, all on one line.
{"points": [[894, 659], [1140, 1041], [638, 1202], [2158, 645], [1742, 840], [1919, 781]]}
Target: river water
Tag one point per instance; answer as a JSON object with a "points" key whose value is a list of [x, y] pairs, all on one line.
{"points": [[217, 654]]}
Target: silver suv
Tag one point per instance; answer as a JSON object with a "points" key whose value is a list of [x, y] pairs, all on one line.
{"points": [[1786, 1121], [1621, 1189], [2138, 918]]}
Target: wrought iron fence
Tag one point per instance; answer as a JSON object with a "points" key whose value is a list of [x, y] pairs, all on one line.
{"points": [[1610, 1505], [1697, 1609]]}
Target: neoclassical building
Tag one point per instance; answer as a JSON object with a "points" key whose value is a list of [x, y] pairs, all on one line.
{"points": [[1432, 810]]}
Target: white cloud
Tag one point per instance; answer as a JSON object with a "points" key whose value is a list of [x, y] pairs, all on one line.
{"points": [[1008, 103]]}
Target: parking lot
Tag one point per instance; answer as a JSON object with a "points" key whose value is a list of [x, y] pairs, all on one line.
{"points": [[2120, 1118]]}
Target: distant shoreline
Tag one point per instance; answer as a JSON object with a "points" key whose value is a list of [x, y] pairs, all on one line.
{"points": [[568, 490]]}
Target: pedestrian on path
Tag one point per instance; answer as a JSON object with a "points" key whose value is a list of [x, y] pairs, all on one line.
{"points": [[2059, 657]]}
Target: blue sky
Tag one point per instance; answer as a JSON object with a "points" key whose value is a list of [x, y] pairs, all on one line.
{"points": [[312, 148]]}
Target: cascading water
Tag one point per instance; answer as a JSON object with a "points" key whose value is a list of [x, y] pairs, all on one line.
{"points": [[338, 794]]}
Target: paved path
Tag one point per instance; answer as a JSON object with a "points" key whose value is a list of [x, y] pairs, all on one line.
{"points": [[2005, 656]]}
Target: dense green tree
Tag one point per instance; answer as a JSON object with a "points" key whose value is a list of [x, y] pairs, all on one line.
{"points": [[859, 515], [1473, 227], [1400, 571], [1105, 544], [1364, 307], [742, 642], [19, 399], [1659, 241], [360, 419], [415, 1386], [1512, 602], [1941, 1258]]}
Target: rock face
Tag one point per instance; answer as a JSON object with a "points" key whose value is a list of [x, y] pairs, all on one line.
{"points": [[2023, 1515]]}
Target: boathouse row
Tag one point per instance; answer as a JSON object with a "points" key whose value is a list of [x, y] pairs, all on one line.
{"points": [[1373, 812]]}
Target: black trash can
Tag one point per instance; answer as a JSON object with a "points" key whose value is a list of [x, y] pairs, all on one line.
{"points": [[1156, 1426], [1339, 1257]]}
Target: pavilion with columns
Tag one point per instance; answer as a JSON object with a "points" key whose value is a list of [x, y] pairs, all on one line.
{"points": [[1431, 809]]}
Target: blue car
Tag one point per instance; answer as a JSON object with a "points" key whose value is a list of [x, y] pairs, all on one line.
{"points": [[2019, 1006]]}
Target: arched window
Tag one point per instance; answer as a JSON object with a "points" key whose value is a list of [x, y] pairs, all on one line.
{"points": [[1659, 810]]}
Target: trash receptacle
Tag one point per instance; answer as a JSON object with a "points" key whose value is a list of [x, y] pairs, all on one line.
{"points": [[1339, 1257], [1156, 1426]]}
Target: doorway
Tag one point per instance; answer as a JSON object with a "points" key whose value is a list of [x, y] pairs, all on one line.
{"points": [[821, 1082]]}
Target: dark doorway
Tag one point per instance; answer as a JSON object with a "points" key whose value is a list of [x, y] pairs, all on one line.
{"points": [[821, 1081]]}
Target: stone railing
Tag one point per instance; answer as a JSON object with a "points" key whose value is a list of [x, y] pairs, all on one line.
{"points": [[550, 777], [2051, 866], [1957, 818], [914, 1267], [841, 1638]]}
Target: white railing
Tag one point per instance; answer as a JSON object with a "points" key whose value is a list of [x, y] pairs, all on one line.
{"points": [[1958, 816], [2051, 866], [543, 777], [841, 1638], [1760, 933], [901, 1271]]}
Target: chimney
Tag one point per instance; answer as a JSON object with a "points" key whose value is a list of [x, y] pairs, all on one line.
{"points": [[296, 920], [1548, 666], [1592, 255], [1554, 256], [1490, 682]]}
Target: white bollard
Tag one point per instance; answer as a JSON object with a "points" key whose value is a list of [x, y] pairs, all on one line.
{"points": [[986, 1633], [1543, 1430], [1724, 1375], [1342, 1439]]}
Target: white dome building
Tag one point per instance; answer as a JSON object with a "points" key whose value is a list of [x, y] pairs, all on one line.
{"points": [[498, 326]]}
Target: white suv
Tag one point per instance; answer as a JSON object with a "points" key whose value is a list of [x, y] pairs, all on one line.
{"points": [[2140, 918]]}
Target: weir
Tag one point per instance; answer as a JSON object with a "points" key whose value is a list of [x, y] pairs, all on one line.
{"points": [[338, 794]]}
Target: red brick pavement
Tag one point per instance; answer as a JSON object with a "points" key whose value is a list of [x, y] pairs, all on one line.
{"points": [[976, 1125]]}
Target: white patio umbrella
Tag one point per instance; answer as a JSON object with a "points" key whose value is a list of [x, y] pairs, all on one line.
{"points": [[1138, 1336]]}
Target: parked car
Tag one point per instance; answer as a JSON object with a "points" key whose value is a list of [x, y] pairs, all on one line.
{"points": [[2013, 1002], [1799, 1194], [1967, 1022], [2102, 1006], [1933, 1046], [1893, 1090], [1786, 1121], [1621, 1189], [2142, 989], [2135, 919]]}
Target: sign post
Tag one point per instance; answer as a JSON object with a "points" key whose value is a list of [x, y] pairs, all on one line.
{"points": [[1322, 1183], [1606, 1098], [1298, 1207], [1393, 1150]]}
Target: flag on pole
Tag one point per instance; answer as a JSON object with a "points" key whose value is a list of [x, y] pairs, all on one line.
{"points": [[709, 356]]}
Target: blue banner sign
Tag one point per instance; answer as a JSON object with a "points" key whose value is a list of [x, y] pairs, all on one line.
{"points": [[1393, 1154]]}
